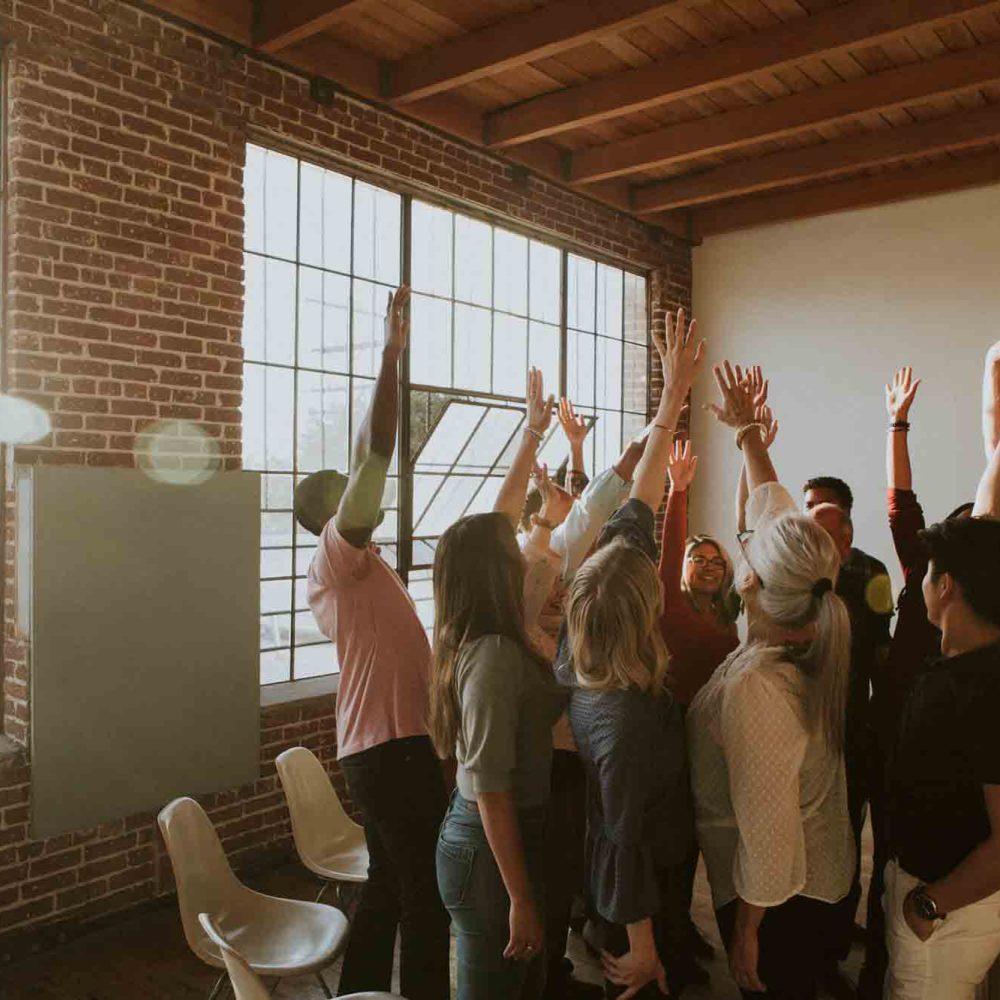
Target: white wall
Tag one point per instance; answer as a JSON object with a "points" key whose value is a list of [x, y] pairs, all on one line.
{"points": [[831, 307]]}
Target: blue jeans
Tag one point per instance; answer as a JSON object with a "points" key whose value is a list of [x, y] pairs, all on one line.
{"points": [[473, 891]]}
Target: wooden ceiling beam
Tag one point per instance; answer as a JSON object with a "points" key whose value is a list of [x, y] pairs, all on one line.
{"points": [[857, 192], [534, 34], [959, 131], [284, 22], [894, 88], [721, 65]]}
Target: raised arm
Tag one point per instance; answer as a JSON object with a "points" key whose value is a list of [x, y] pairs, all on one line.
{"points": [[741, 411], [538, 416], [988, 493], [681, 356], [899, 395], [375, 442], [991, 400], [682, 465], [576, 430]]}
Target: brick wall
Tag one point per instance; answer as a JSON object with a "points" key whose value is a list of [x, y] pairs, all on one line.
{"points": [[125, 156]]}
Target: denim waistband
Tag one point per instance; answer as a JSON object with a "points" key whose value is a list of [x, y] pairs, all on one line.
{"points": [[461, 806]]}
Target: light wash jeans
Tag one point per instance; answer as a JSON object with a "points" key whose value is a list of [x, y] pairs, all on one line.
{"points": [[473, 891], [953, 961]]}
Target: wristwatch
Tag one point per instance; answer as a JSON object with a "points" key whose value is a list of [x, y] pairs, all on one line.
{"points": [[926, 908]]}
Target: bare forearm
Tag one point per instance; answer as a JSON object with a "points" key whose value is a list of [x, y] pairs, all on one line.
{"points": [[976, 877], [503, 831], [651, 472], [378, 430], [576, 458], [742, 495], [897, 460], [641, 942], [757, 461], [629, 459], [987, 502], [510, 499], [991, 401]]}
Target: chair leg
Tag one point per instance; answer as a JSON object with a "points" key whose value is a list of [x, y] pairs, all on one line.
{"points": [[219, 989], [323, 888], [274, 986], [326, 989]]}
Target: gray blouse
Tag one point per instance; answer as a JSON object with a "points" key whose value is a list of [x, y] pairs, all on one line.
{"points": [[508, 704]]}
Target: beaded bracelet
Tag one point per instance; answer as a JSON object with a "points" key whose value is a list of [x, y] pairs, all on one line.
{"points": [[535, 434], [742, 433], [899, 425]]}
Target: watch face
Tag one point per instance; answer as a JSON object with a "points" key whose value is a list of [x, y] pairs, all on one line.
{"points": [[925, 906]]}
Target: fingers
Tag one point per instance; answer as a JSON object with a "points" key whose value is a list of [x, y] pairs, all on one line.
{"points": [[717, 411]]}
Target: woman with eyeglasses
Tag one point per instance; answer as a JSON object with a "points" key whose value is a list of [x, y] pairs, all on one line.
{"points": [[766, 737], [698, 624]]}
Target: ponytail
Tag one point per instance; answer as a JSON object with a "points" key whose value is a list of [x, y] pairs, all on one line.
{"points": [[829, 656]]}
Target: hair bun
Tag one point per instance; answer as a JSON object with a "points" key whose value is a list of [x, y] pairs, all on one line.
{"points": [[820, 587]]}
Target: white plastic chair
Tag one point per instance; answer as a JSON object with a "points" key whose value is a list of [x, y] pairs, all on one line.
{"points": [[277, 937], [246, 984], [329, 843]]}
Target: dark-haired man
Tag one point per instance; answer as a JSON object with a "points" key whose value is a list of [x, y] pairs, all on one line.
{"points": [[943, 884], [863, 585]]}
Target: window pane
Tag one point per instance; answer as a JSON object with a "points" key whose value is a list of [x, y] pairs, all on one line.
{"points": [[280, 190], [376, 234], [473, 261], [609, 300], [510, 272], [268, 409], [315, 661], [325, 218], [275, 562], [275, 595], [269, 313], [431, 250], [276, 492], [543, 353], [322, 422], [544, 282], [253, 199], [451, 436], [275, 529], [636, 323], [275, 631], [472, 348], [608, 387], [306, 632], [324, 320], [634, 376], [446, 505], [510, 355], [370, 304], [490, 439], [580, 368], [430, 341], [275, 667], [632, 424], [580, 290], [607, 439]]}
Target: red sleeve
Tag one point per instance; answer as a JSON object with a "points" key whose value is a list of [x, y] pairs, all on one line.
{"points": [[672, 550], [906, 518]]}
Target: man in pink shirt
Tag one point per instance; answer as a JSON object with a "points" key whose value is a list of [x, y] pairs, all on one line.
{"points": [[393, 775]]}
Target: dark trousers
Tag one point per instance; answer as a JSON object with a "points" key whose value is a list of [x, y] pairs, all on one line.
{"points": [[398, 788], [474, 892], [670, 931], [564, 851], [791, 940]]}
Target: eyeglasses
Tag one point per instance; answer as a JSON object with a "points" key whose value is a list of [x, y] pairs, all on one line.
{"points": [[713, 563], [744, 538]]}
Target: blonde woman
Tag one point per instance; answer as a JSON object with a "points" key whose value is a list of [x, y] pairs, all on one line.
{"points": [[627, 726], [766, 738]]}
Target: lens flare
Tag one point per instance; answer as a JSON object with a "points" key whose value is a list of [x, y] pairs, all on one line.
{"points": [[22, 422], [177, 452]]}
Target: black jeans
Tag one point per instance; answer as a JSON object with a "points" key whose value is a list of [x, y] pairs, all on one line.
{"points": [[398, 787], [792, 945], [564, 849]]}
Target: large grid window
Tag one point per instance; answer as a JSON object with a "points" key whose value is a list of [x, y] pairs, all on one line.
{"points": [[322, 253]]}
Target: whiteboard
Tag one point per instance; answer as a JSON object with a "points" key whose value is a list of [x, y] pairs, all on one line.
{"points": [[144, 635]]}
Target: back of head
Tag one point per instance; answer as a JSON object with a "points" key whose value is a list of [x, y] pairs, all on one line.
{"points": [[828, 489], [613, 620], [968, 549], [797, 562], [836, 522], [478, 590]]}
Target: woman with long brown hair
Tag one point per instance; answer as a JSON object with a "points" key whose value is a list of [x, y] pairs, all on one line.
{"points": [[493, 700]]}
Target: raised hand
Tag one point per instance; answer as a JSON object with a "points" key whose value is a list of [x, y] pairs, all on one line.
{"points": [[574, 427], [538, 407], [899, 394], [754, 379], [397, 322], [763, 415], [681, 465], [556, 502], [738, 401], [681, 354]]}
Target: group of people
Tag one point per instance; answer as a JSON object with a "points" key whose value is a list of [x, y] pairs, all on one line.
{"points": [[608, 724]]}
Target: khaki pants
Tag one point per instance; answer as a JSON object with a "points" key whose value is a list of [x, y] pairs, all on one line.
{"points": [[953, 961]]}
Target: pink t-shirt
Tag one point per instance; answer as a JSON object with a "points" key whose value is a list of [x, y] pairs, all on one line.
{"points": [[362, 605]]}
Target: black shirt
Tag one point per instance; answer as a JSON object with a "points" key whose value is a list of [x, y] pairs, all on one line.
{"points": [[948, 747], [640, 817]]}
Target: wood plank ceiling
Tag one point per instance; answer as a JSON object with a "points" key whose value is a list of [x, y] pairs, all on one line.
{"points": [[699, 116]]}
